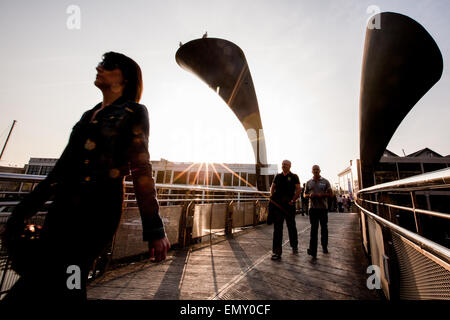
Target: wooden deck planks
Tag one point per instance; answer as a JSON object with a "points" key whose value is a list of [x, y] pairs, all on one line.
{"points": [[240, 268]]}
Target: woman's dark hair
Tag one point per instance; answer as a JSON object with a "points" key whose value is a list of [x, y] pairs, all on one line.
{"points": [[131, 73]]}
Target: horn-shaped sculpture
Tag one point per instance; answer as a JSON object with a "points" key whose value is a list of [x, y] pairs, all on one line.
{"points": [[222, 65], [401, 62]]}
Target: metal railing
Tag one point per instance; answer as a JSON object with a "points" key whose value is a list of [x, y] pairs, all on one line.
{"points": [[410, 244], [191, 214]]}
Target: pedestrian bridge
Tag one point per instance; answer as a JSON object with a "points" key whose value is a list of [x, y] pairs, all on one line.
{"points": [[221, 249]]}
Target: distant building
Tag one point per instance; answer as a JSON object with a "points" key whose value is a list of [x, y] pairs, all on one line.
{"points": [[10, 186], [230, 175], [393, 167], [345, 179], [12, 169], [40, 166]]}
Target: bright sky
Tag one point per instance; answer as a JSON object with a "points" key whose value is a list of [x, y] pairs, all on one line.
{"points": [[304, 56]]}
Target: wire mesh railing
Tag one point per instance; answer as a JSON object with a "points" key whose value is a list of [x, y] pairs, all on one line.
{"points": [[191, 214], [405, 227]]}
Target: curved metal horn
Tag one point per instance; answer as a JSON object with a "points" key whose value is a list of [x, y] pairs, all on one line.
{"points": [[222, 65], [401, 63]]}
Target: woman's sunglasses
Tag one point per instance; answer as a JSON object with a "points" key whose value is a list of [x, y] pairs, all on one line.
{"points": [[108, 65]]}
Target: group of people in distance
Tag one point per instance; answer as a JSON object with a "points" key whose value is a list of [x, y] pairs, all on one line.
{"points": [[344, 203]]}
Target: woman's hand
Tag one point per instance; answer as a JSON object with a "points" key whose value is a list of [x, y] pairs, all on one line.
{"points": [[158, 249]]}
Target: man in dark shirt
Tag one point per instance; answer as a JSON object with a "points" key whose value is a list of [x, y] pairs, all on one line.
{"points": [[318, 190], [285, 190]]}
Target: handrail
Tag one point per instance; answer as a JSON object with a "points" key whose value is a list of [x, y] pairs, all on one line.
{"points": [[200, 199], [13, 203], [432, 180], [428, 245], [438, 179], [202, 188], [183, 195], [244, 194], [18, 177], [427, 212]]}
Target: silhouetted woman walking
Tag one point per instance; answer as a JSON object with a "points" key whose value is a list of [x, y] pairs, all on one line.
{"points": [[109, 142]]}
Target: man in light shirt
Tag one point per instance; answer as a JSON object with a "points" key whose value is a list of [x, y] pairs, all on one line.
{"points": [[318, 190]]}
